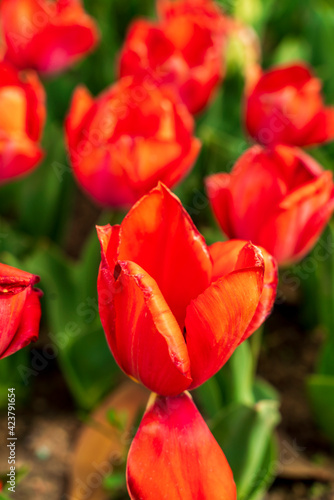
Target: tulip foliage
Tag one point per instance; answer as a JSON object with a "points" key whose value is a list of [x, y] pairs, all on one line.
{"points": [[161, 104]]}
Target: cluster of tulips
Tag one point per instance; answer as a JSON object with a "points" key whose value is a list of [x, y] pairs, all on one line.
{"points": [[173, 309]]}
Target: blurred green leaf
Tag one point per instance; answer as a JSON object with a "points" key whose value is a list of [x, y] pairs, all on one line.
{"points": [[247, 428], [210, 397], [75, 329], [321, 393], [10, 377]]}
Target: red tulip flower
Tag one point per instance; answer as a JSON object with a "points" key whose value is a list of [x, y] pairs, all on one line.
{"points": [[22, 117], [172, 319], [20, 309], [133, 135], [184, 49], [173, 452], [284, 105], [46, 36], [280, 199]]}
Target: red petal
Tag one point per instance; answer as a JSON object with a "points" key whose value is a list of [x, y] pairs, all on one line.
{"points": [[82, 102], [218, 189], [29, 324], [19, 309], [143, 334], [224, 256], [160, 237], [175, 457], [286, 228], [217, 319]]}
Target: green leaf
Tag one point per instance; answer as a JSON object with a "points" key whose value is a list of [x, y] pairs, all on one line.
{"points": [[237, 376], [10, 376], [74, 327], [246, 428], [321, 393], [210, 397]]}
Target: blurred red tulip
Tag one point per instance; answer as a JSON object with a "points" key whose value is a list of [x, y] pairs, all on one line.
{"points": [[22, 103], [122, 143], [173, 452], [284, 106], [184, 50], [278, 198], [46, 36], [171, 323], [20, 309], [224, 256]]}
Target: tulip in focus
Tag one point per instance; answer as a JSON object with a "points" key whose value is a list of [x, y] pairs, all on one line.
{"points": [[284, 105], [184, 49], [46, 36], [173, 317], [126, 140], [20, 309], [280, 199], [22, 117], [174, 451]]}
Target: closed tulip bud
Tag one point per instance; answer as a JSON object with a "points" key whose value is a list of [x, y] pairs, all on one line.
{"points": [[126, 140], [184, 49], [22, 117], [20, 309], [173, 314], [174, 451], [280, 199], [284, 106], [46, 36]]}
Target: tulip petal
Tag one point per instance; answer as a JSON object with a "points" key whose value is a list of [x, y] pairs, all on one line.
{"points": [[142, 332], [286, 228], [11, 309], [29, 324], [242, 200], [19, 309], [159, 236], [322, 127], [82, 102], [218, 189], [224, 256], [174, 456], [217, 319]]}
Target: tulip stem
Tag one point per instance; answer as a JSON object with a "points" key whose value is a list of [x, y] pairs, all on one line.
{"points": [[242, 374], [255, 345]]}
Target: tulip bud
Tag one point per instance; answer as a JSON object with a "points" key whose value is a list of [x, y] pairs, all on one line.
{"points": [[172, 314], [280, 199], [284, 106], [46, 36], [133, 135], [184, 49]]}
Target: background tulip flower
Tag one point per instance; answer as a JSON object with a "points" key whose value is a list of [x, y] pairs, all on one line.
{"points": [[170, 323], [22, 117], [129, 138], [20, 309], [280, 199], [46, 36], [284, 105], [174, 451], [184, 49]]}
